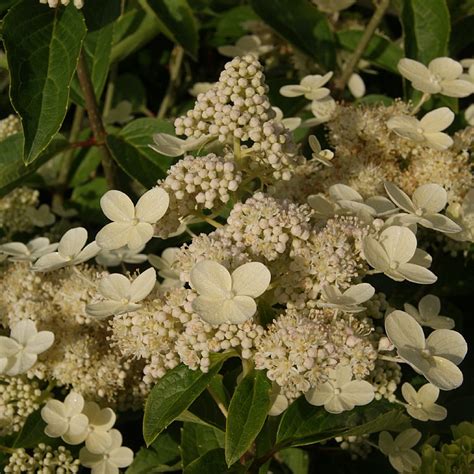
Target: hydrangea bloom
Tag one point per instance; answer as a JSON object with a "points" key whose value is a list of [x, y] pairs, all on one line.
{"points": [[121, 295], [421, 405], [65, 419], [428, 315], [423, 208], [393, 253], [428, 130], [72, 250], [398, 450], [132, 225], [341, 393], [19, 352], [350, 300], [440, 77], [310, 86], [436, 357], [226, 298]]}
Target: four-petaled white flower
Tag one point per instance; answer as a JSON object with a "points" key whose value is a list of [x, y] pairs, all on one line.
{"points": [[423, 208], [399, 452], [463, 214], [341, 393], [440, 77], [310, 86], [394, 253], [427, 313], [248, 44], [322, 110], [350, 300], [132, 225], [113, 258], [19, 352], [110, 459], [169, 145], [226, 298], [100, 421], [164, 264], [291, 123], [323, 156], [436, 357], [34, 249], [421, 405], [122, 295], [72, 250], [65, 419], [428, 130]]}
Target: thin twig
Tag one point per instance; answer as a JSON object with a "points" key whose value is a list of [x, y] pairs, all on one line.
{"points": [[95, 120], [219, 404], [380, 10], [176, 60]]}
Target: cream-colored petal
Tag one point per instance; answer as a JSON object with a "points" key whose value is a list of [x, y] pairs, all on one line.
{"points": [[139, 235], [445, 68], [429, 306], [121, 457], [437, 120], [399, 243], [400, 198], [438, 140], [386, 443], [115, 287], [143, 285], [40, 342], [239, 309], [344, 192], [416, 274], [117, 206], [409, 394], [51, 261], [320, 395], [442, 223], [404, 331], [72, 241], [444, 374], [413, 70], [8, 347], [448, 344], [211, 279], [408, 438], [73, 403], [251, 279], [360, 293], [114, 235], [357, 392], [103, 309], [152, 206], [457, 88], [209, 309], [20, 363], [167, 145], [88, 252], [23, 330], [292, 90]]}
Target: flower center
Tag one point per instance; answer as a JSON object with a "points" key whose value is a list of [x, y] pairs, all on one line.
{"points": [[337, 391]]}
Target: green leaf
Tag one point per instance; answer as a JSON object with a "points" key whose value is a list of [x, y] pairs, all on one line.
{"points": [[178, 23], [130, 149], [426, 26], [42, 46], [100, 17], [197, 440], [303, 25], [12, 168], [296, 459], [189, 417], [88, 162], [87, 197], [213, 462], [380, 51], [174, 393], [32, 432], [304, 424], [229, 25], [248, 410]]}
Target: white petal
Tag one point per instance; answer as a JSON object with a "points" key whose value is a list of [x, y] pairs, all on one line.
{"points": [[381, 205], [103, 309], [167, 145], [121, 457], [457, 88], [421, 258], [408, 438], [73, 404], [279, 405], [444, 374], [72, 242], [117, 206], [40, 342], [344, 192], [143, 285], [358, 392], [139, 235], [375, 254], [437, 120], [98, 441], [88, 252], [320, 395], [438, 140], [20, 363], [23, 331], [92, 460], [448, 344], [114, 235], [324, 206], [442, 223], [16, 249], [8, 347], [356, 86], [409, 394], [342, 375], [51, 261], [360, 293], [386, 443], [400, 198], [413, 70], [436, 412], [251, 279], [314, 143], [115, 287], [211, 279], [209, 309], [292, 90], [404, 331], [101, 419], [77, 431], [428, 393], [337, 404], [445, 68], [152, 206], [429, 306], [239, 309], [407, 127], [417, 274], [399, 243]]}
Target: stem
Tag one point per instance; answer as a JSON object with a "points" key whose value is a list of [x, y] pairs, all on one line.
{"points": [[364, 41], [5, 449], [212, 222], [220, 405], [96, 120], [391, 359], [176, 60], [422, 100], [109, 94]]}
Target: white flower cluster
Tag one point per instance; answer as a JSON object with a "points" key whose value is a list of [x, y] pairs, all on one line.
{"points": [[9, 126]]}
